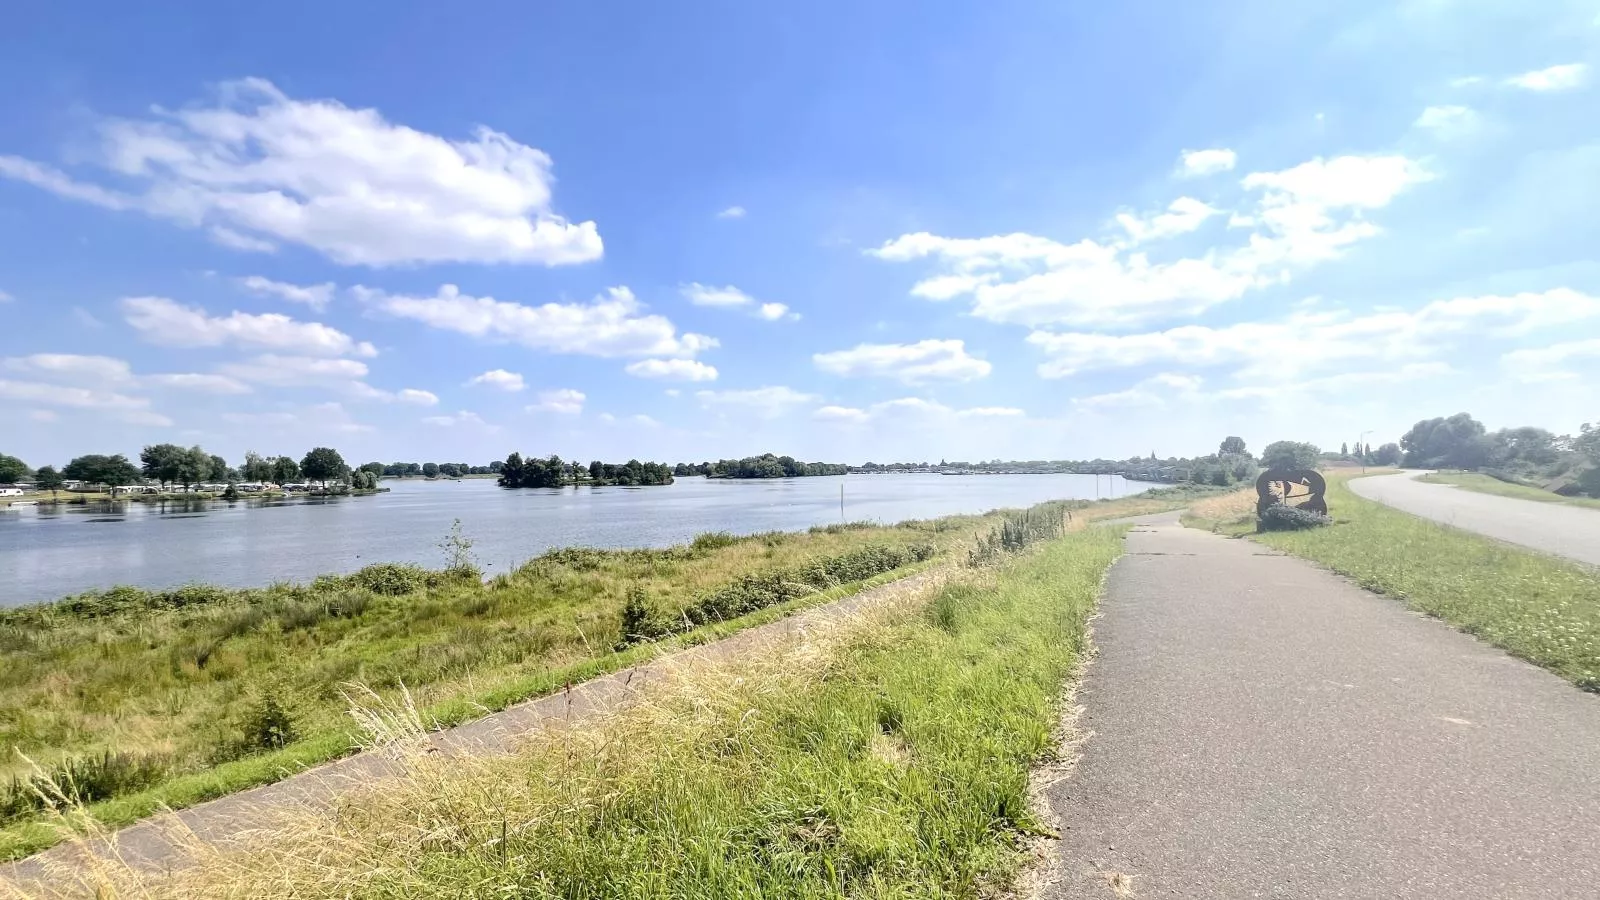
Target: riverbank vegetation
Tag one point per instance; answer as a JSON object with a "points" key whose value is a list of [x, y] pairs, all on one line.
{"points": [[178, 687], [885, 754], [1535, 607], [553, 472], [1530, 457], [764, 466], [164, 469]]}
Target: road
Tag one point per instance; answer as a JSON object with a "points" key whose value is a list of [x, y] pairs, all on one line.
{"points": [[1569, 531], [1260, 727]]}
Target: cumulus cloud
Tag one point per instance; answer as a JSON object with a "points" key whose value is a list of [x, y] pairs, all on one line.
{"points": [[1555, 78], [498, 378], [1197, 163], [732, 212], [1182, 216], [316, 296], [462, 419], [121, 407], [167, 322], [1299, 217], [918, 363], [768, 402], [672, 369], [194, 381], [564, 401], [107, 371], [1310, 339], [611, 325], [730, 297], [417, 397], [1556, 362], [257, 168]]}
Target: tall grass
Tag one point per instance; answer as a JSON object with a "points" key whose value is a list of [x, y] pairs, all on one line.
{"points": [[1538, 608], [885, 755]]}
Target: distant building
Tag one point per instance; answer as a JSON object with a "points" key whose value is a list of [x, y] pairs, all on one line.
{"points": [[10, 490]]}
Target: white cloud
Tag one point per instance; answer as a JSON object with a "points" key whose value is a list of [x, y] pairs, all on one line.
{"points": [[189, 381], [565, 401], [166, 322], [1555, 78], [1448, 122], [765, 402], [499, 378], [258, 167], [924, 361], [462, 419], [6, 298], [1309, 339], [644, 420], [417, 397], [121, 407], [233, 240], [97, 370], [772, 312], [1467, 81], [296, 371], [1552, 363], [1206, 162], [1303, 216], [1151, 392], [611, 325], [913, 409], [1183, 215], [732, 212], [672, 369], [43, 415], [1346, 383], [316, 296]]}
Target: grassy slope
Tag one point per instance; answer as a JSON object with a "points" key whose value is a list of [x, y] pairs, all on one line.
{"points": [[888, 757], [1485, 484], [177, 683], [1535, 607]]}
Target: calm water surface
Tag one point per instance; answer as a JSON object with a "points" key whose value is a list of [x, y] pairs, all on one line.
{"points": [[46, 553]]}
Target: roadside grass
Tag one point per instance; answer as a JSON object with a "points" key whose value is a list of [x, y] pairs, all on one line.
{"points": [[886, 754], [1535, 607], [174, 682], [1486, 484], [1231, 513]]}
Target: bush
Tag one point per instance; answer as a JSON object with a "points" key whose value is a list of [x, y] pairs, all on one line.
{"points": [[391, 579], [267, 726], [1019, 529], [708, 541], [1290, 518], [81, 780]]}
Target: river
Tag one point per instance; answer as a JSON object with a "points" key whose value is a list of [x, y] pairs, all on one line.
{"points": [[52, 551]]}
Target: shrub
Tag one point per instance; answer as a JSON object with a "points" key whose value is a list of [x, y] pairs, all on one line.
{"points": [[708, 541], [1290, 518], [391, 579], [81, 780], [1017, 530], [266, 725]]}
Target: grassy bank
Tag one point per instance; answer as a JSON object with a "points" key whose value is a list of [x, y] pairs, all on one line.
{"points": [[1535, 607], [885, 756], [1485, 484], [174, 697]]}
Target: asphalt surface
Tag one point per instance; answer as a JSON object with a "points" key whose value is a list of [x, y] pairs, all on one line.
{"points": [[1569, 531], [166, 841], [1262, 728]]}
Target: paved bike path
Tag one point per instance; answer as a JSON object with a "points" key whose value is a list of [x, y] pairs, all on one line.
{"points": [[1554, 528], [1262, 728]]}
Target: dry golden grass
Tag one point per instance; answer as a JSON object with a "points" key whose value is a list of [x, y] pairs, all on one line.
{"points": [[1213, 512]]}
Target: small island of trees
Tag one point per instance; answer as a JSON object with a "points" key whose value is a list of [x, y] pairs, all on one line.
{"points": [[554, 472], [763, 466]]}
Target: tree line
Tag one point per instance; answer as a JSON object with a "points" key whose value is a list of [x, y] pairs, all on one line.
{"points": [[763, 466], [171, 464], [553, 472], [1567, 463]]}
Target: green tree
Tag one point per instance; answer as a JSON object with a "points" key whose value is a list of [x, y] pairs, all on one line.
{"points": [[194, 466], [255, 468], [1290, 455], [324, 464], [1344, 451], [285, 470], [162, 463], [1387, 455], [450, 470], [219, 469], [376, 468], [1232, 446], [11, 468], [1454, 442], [430, 470], [48, 479], [110, 471]]}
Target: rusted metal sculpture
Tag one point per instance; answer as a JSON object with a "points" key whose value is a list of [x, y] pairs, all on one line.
{"points": [[1299, 488]]}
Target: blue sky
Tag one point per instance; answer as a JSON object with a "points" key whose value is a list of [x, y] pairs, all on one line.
{"points": [[842, 231]]}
